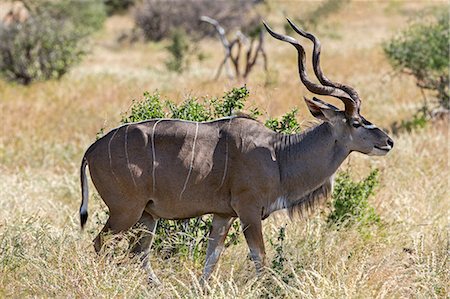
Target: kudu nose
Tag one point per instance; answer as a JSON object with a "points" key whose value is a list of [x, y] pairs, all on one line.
{"points": [[390, 142]]}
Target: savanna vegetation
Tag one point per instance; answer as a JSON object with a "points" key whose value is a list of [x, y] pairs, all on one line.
{"points": [[385, 234]]}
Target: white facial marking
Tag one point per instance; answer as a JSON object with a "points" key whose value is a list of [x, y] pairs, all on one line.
{"points": [[126, 155], [387, 147], [192, 161], [344, 120], [154, 155], [380, 151], [370, 127]]}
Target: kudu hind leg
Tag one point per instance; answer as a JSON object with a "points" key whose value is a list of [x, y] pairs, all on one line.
{"points": [[219, 230], [98, 241], [118, 221], [144, 243]]}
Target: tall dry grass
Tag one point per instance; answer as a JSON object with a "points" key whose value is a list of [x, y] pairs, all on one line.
{"points": [[47, 126]]}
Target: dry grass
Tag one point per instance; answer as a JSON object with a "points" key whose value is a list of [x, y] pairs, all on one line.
{"points": [[47, 126]]}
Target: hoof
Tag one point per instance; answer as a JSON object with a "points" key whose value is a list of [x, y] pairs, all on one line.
{"points": [[153, 280]]}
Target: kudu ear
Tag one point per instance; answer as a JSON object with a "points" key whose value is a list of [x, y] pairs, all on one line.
{"points": [[321, 110]]}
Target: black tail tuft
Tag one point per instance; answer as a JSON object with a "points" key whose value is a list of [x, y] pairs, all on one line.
{"points": [[83, 218]]}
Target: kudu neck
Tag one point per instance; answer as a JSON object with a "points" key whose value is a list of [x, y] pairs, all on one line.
{"points": [[308, 159]]}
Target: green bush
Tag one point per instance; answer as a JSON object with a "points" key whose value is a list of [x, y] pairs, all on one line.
{"points": [[179, 51], [234, 100], [351, 200], [278, 265], [422, 50], [287, 125], [153, 106], [150, 107], [48, 43], [190, 109], [84, 17], [279, 258]]}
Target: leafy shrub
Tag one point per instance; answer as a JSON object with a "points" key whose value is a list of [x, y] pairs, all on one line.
{"points": [[287, 125], [48, 43], [190, 109], [84, 17], [232, 100], [153, 106], [34, 51], [178, 49], [350, 200], [150, 107], [279, 258], [278, 265], [422, 51], [158, 18]]}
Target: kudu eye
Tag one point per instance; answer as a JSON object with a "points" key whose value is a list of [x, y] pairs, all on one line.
{"points": [[356, 124]]}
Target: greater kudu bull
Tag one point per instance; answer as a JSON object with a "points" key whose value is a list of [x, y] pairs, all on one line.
{"points": [[231, 167]]}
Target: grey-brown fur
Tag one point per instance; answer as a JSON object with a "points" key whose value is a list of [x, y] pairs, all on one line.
{"points": [[231, 168]]}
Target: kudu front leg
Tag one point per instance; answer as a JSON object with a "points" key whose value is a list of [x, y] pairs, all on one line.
{"points": [[250, 217], [219, 230], [252, 229]]}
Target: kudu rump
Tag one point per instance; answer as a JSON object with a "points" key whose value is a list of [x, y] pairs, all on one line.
{"points": [[232, 168]]}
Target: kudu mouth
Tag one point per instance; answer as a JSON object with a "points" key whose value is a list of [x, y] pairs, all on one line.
{"points": [[382, 150]]}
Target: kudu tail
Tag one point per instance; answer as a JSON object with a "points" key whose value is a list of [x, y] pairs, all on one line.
{"points": [[84, 193]]}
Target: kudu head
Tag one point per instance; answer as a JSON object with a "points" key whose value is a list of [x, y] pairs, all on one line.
{"points": [[350, 128]]}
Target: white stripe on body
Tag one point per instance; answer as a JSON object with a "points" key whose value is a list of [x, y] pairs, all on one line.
{"points": [[126, 155], [110, 156], [226, 158], [154, 154], [192, 161]]}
